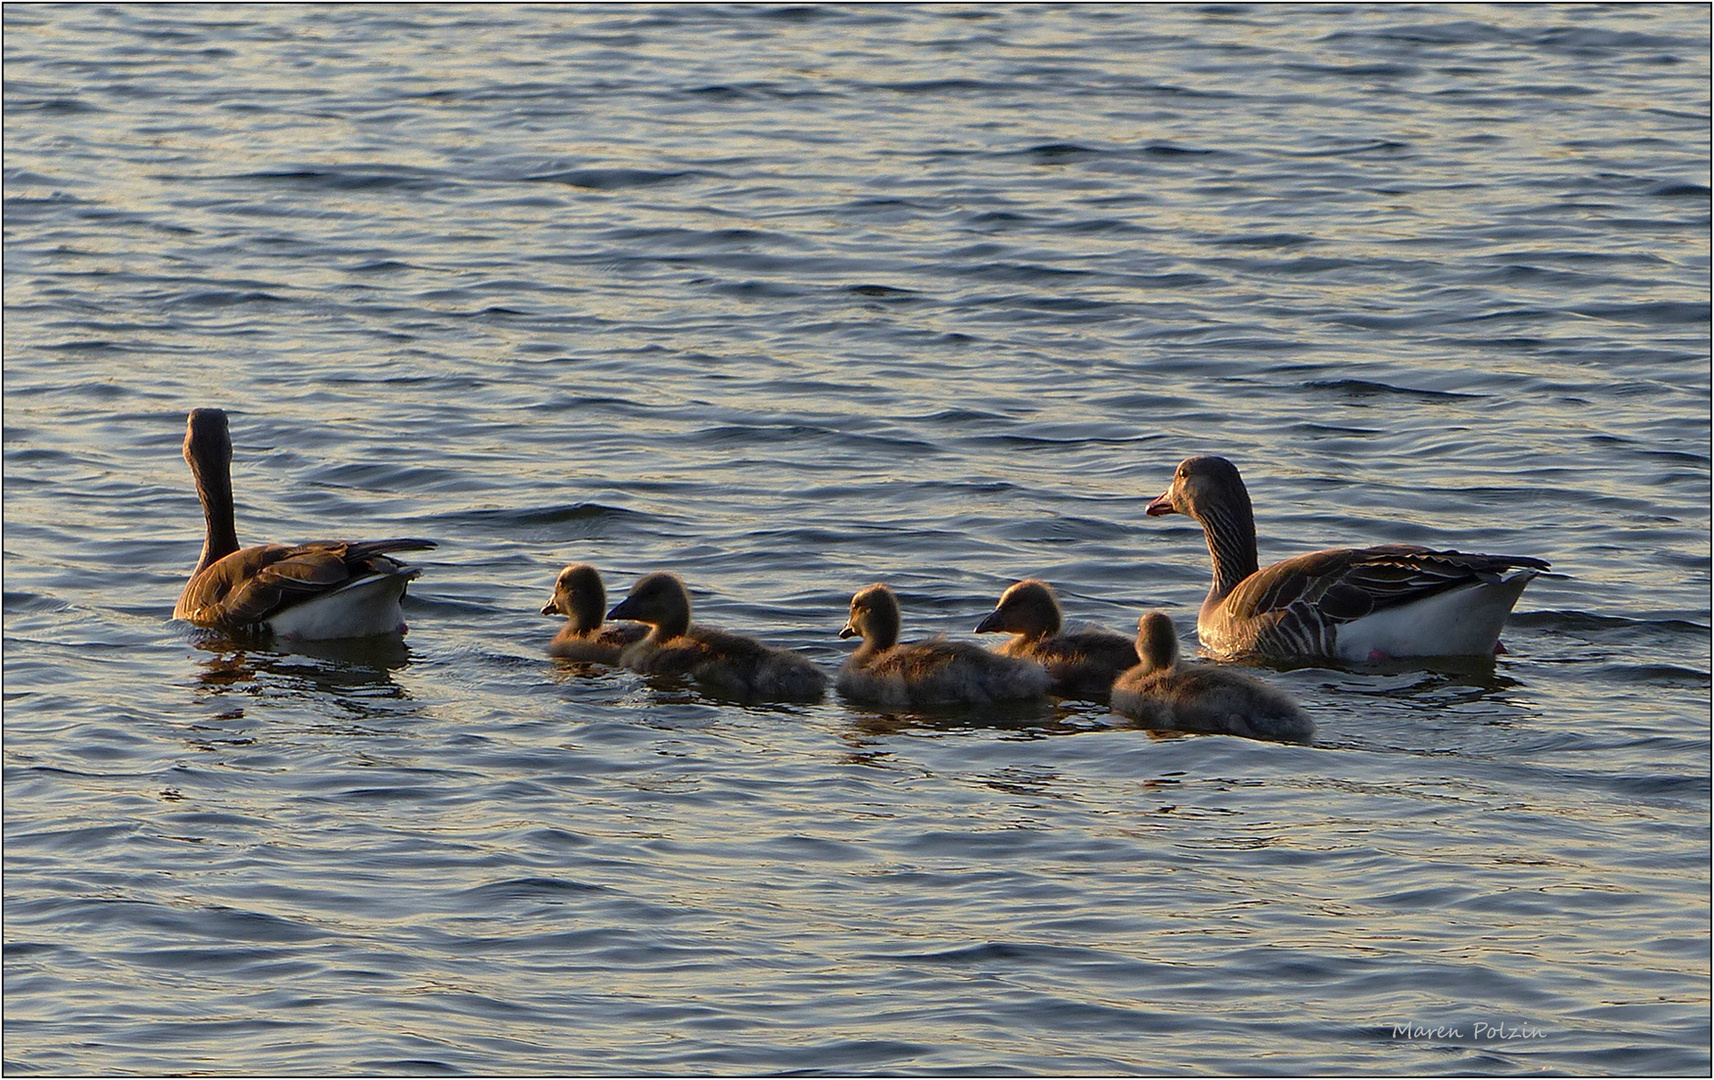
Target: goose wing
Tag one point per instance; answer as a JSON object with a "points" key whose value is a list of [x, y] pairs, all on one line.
{"points": [[252, 584], [1340, 585]]}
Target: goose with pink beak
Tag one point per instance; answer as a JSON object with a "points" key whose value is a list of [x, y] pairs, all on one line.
{"points": [[1353, 604]]}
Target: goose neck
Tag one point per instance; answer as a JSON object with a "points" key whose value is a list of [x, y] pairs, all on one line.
{"points": [[214, 489], [1231, 534]]}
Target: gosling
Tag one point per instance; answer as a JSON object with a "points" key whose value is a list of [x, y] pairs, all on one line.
{"points": [[579, 596], [1083, 663], [883, 672], [1164, 693], [725, 664]]}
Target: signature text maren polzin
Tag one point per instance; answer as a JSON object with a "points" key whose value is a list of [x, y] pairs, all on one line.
{"points": [[1480, 1031]]}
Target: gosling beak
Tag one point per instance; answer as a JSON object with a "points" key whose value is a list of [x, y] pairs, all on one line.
{"points": [[1162, 505], [552, 607], [621, 610], [848, 631], [991, 625]]}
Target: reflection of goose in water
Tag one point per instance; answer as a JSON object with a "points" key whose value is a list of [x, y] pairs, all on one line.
{"points": [[314, 591], [1374, 603], [579, 595], [718, 661], [1083, 663], [344, 681], [937, 672], [1161, 692]]}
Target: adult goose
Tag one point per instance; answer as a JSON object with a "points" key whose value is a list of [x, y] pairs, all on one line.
{"points": [[314, 591], [1163, 693], [723, 663], [579, 595], [937, 672], [1354, 604], [1083, 663]]}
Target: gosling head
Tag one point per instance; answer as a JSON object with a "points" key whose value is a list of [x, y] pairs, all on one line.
{"points": [[579, 596], [1157, 642], [1202, 482], [1028, 608], [874, 618], [659, 599]]}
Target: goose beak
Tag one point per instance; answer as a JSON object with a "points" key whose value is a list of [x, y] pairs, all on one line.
{"points": [[621, 610], [551, 607], [1162, 505], [848, 631], [990, 625]]}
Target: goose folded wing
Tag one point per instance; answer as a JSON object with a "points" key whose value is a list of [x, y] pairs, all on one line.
{"points": [[365, 555], [1345, 584], [272, 587], [1396, 574], [321, 565], [231, 592], [249, 585], [309, 567]]}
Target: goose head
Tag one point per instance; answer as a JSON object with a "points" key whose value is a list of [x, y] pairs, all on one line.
{"points": [[874, 618], [1201, 484], [579, 596], [207, 443], [1028, 608], [1209, 491], [1157, 642], [659, 599]]}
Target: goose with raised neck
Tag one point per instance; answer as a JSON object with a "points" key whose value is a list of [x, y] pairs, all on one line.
{"points": [[314, 591], [1353, 604]]}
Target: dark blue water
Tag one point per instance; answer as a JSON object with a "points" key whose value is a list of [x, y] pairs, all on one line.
{"points": [[790, 300]]}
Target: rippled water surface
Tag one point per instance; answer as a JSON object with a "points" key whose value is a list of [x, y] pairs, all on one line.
{"points": [[790, 300]]}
